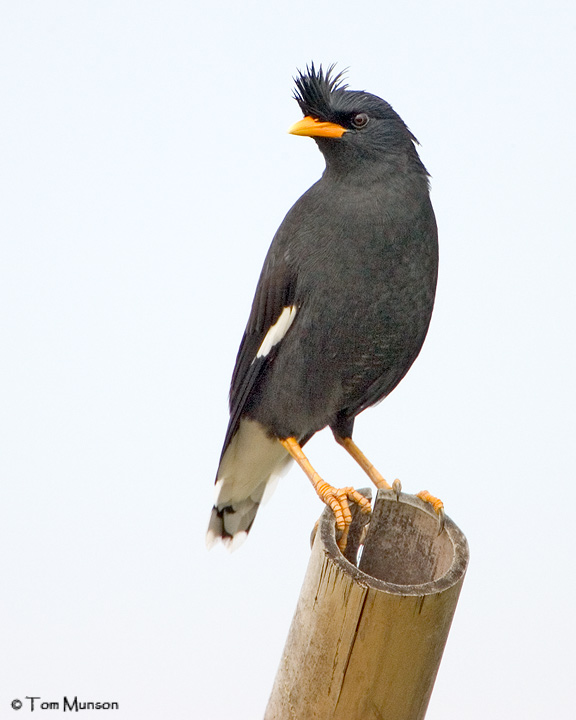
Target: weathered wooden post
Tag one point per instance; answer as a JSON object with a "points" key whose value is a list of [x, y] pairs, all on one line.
{"points": [[369, 629]]}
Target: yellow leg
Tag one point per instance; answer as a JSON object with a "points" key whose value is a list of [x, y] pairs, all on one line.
{"points": [[350, 446], [336, 499]]}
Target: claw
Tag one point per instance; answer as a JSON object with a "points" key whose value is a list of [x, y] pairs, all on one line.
{"points": [[342, 540], [441, 520], [437, 506], [397, 487]]}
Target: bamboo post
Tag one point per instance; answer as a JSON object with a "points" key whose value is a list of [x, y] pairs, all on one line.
{"points": [[366, 639]]}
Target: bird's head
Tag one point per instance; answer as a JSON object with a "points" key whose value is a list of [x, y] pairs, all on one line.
{"points": [[350, 126]]}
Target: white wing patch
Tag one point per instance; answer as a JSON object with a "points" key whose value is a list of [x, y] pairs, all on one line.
{"points": [[277, 331]]}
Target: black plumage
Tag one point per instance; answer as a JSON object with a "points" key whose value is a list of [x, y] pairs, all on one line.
{"points": [[344, 299]]}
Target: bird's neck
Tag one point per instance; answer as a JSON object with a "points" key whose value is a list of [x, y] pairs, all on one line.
{"points": [[348, 165], [392, 169]]}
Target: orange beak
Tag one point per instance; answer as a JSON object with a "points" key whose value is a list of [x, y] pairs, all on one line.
{"points": [[310, 127]]}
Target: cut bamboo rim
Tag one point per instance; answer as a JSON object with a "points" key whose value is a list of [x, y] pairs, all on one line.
{"points": [[366, 641]]}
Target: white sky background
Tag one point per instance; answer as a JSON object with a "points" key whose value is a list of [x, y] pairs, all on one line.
{"points": [[145, 166]]}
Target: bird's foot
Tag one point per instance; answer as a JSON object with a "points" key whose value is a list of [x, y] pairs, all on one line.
{"points": [[337, 499], [437, 505]]}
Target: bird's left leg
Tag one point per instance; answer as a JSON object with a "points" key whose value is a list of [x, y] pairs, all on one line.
{"points": [[350, 446], [336, 498]]}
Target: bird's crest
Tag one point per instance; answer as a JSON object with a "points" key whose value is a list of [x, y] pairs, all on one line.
{"points": [[314, 87]]}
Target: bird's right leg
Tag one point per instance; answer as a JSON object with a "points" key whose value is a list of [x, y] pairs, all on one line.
{"points": [[336, 498]]}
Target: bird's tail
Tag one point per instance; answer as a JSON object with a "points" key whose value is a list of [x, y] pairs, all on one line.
{"points": [[249, 466]]}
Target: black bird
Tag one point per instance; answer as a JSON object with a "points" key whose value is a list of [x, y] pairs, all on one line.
{"points": [[342, 306]]}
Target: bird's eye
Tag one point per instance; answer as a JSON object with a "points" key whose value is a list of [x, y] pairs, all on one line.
{"points": [[360, 120]]}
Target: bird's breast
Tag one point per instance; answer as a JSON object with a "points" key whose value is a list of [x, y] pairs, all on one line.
{"points": [[364, 292]]}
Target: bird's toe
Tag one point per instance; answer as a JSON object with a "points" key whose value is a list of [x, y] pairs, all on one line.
{"points": [[338, 499], [437, 506]]}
